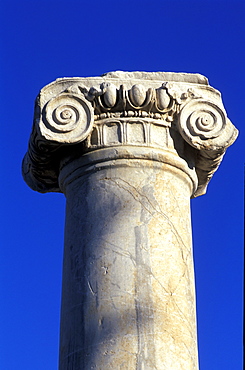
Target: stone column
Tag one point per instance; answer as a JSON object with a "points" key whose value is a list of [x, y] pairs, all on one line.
{"points": [[128, 150]]}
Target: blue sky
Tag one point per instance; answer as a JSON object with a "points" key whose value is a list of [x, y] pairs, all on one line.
{"points": [[43, 40]]}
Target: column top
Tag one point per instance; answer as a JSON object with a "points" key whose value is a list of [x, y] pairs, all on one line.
{"points": [[195, 78], [73, 111]]}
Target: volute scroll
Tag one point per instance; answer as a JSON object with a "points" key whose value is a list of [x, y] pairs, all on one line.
{"points": [[67, 118], [205, 126]]}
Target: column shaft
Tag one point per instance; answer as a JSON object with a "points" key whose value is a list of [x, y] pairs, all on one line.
{"points": [[128, 283]]}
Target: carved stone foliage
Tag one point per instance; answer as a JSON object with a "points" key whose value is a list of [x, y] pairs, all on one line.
{"points": [[109, 112]]}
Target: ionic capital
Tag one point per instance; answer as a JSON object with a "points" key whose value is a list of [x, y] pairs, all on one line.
{"points": [[178, 114]]}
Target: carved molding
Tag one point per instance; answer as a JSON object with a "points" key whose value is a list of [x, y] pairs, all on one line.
{"points": [[116, 112]]}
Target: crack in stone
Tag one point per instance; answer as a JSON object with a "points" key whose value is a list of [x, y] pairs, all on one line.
{"points": [[90, 288], [136, 197], [148, 269], [188, 326], [122, 252], [193, 359]]}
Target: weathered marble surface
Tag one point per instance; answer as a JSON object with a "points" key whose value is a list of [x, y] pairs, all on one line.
{"points": [[76, 110], [128, 150], [128, 284]]}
